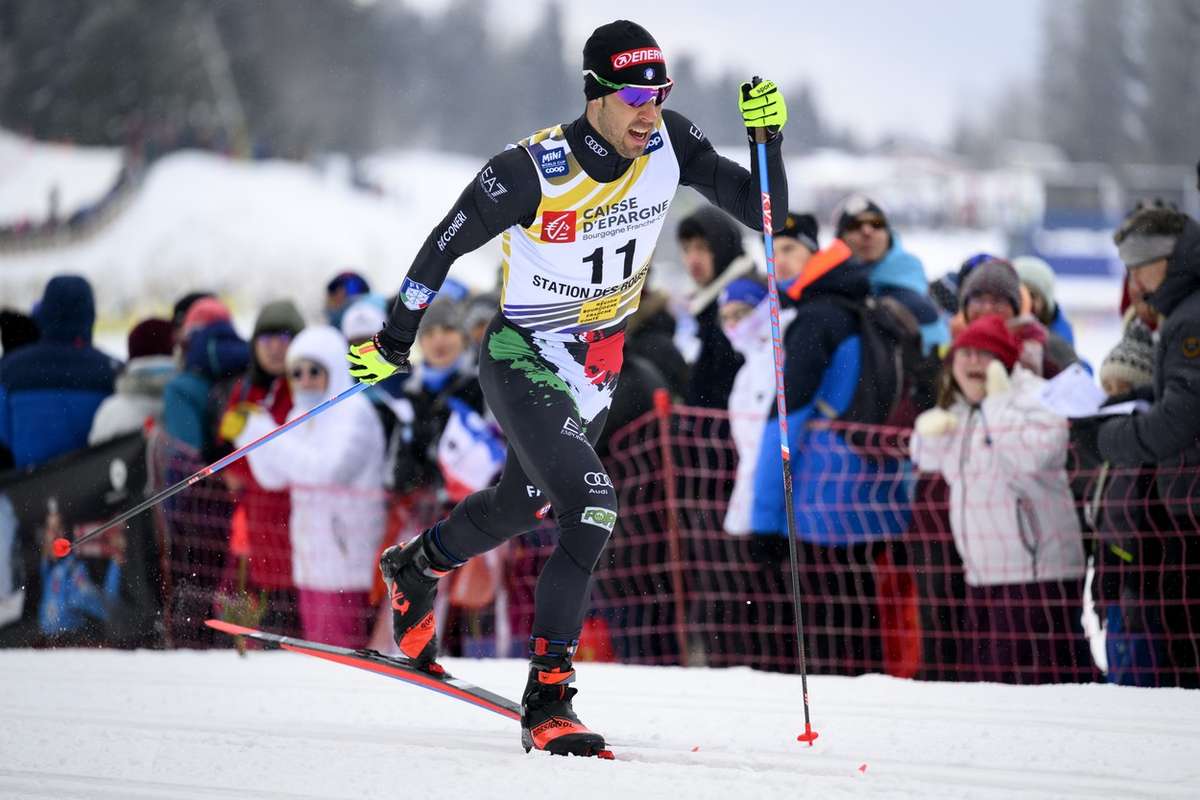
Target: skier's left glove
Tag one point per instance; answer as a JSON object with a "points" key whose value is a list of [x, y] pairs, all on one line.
{"points": [[374, 360], [762, 106]]}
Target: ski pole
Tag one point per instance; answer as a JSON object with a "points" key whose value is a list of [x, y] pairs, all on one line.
{"points": [[62, 546], [760, 139]]}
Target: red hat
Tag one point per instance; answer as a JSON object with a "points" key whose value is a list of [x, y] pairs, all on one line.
{"points": [[203, 313], [990, 334], [150, 337]]}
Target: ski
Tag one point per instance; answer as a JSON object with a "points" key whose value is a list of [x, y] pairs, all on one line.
{"points": [[390, 666]]}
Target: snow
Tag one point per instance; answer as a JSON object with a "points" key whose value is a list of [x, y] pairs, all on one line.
{"points": [[30, 170], [104, 724]]}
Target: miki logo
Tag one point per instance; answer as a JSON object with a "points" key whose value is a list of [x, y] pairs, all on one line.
{"points": [[558, 226]]}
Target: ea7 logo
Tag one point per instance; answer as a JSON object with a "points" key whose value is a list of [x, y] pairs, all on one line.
{"points": [[600, 517], [491, 186], [696, 133], [558, 226]]}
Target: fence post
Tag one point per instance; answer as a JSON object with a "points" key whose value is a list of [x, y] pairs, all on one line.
{"points": [[662, 409]]}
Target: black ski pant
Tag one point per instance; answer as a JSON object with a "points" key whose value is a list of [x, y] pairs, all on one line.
{"points": [[551, 459]]}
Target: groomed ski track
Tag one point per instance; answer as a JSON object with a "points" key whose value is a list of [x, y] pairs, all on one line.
{"points": [[99, 724]]}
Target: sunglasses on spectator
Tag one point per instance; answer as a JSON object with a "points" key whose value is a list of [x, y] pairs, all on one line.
{"points": [[859, 223], [301, 371], [279, 336], [632, 94]]}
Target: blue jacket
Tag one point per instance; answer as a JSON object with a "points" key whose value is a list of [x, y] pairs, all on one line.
{"points": [[1062, 326], [213, 353], [69, 597], [839, 496], [901, 270], [50, 390]]}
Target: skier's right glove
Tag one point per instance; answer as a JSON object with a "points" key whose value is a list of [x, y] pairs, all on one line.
{"points": [[373, 361]]}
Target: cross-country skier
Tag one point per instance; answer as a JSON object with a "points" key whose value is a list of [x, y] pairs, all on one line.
{"points": [[578, 208]]}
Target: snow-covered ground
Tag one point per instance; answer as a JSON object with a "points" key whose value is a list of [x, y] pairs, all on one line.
{"points": [[31, 171], [96, 724]]}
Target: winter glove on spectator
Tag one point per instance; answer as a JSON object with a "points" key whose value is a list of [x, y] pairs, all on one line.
{"points": [[762, 106], [371, 361], [936, 422], [233, 421], [998, 381]]}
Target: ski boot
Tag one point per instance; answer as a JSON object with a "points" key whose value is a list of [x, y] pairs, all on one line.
{"points": [[548, 721], [411, 575]]}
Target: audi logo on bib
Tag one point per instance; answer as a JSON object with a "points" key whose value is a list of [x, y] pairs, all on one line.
{"points": [[558, 226]]}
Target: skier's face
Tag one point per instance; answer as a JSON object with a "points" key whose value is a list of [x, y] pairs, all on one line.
{"points": [[626, 128]]}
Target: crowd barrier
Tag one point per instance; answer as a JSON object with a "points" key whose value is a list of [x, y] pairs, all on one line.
{"points": [[1092, 576]]}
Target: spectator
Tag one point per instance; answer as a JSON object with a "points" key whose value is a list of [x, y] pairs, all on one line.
{"points": [[443, 386], [1161, 249], [340, 292], [795, 244], [1129, 366], [1011, 509], [1038, 278], [650, 335], [822, 369], [895, 272], [179, 313], [140, 386], [746, 320], [73, 610], [210, 350], [333, 466], [993, 287], [265, 512], [711, 245], [16, 330], [49, 391]]}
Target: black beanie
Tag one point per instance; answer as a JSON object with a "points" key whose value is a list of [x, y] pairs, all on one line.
{"points": [[622, 52], [801, 227]]}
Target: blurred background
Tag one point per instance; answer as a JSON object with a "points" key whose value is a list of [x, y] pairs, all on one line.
{"points": [[254, 147]]}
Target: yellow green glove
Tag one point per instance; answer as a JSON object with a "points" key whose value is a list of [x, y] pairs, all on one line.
{"points": [[762, 106], [371, 363]]}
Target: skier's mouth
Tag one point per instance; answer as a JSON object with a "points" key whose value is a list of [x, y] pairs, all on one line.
{"points": [[640, 135]]}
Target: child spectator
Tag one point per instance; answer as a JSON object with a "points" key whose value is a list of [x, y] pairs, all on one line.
{"points": [[140, 386], [333, 466], [1011, 510]]}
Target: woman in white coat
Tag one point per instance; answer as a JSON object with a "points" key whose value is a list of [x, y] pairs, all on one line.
{"points": [[1003, 455], [333, 465]]}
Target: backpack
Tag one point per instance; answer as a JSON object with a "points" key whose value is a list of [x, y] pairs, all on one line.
{"points": [[903, 380]]}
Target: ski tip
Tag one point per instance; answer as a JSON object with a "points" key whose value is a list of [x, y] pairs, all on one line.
{"points": [[607, 755], [228, 627]]}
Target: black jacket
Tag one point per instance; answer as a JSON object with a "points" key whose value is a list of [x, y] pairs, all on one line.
{"points": [[1169, 434]]}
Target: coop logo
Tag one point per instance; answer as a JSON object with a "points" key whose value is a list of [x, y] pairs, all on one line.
{"points": [[595, 146], [553, 162], [656, 141], [639, 55], [558, 226], [600, 517]]}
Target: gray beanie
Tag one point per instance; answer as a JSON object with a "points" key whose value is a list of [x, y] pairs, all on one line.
{"points": [[1132, 360], [442, 313], [994, 277]]}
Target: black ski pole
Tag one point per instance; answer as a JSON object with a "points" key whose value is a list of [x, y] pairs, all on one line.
{"points": [[63, 546], [760, 138]]}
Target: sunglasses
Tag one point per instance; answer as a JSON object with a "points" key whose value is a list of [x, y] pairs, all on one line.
{"points": [[278, 336], [301, 371], [862, 222], [633, 95]]}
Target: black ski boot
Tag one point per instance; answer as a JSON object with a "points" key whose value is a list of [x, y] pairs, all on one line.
{"points": [[411, 576], [548, 721]]}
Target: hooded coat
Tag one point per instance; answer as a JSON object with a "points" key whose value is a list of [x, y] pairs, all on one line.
{"points": [[333, 465], [139, 397], [1011, 509], [212, 353], [50, 390], [841, 495], [712, 374], [1168, 435], [901, 275]]}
